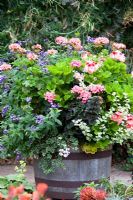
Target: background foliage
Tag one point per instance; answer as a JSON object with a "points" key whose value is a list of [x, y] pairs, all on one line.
{"points": [[36, 20]]}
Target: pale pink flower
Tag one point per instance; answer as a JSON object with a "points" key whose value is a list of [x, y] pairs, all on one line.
{"points": [[77, 89], [76, 43], [129, 121], [32, 56], [96, 88], [15, 47], [5, 67], [61, 40], [49, 96], [83, 95], [52, 51], [78, 76], [132, 74], [118, 46], [117, 117], [76, 63], [101, 41], [37, 47], [117, 55]]}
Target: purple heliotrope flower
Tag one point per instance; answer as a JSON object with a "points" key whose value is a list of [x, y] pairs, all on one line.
{"points": [[5, 131], [18, 155], [33, 128], [1, 147], [14, 118], [54, 105], [5, 110], [39, 119], [90, 39], [6, 88], [28, 99], [2, 78]]}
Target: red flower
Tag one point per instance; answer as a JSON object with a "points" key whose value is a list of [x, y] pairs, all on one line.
{"points": [[20, 189], [12, 192], [1, 197], [100, 195], [36, 195], [42, 188], [88, 193], [25, 196]]}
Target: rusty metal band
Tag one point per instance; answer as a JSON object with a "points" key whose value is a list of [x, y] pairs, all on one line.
{"points": [[85, 156], [63, 184], [60, 195]]}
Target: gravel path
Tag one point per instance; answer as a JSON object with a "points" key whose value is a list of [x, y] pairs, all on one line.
{"points": [[116, 174]]}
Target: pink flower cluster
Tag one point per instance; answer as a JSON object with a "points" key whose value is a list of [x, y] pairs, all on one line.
{"points": [[61, 40], [49, 96], [101, 41], [32, 56], [132, 74], [52, 51], [91, 67], [76, 63], [75, 43], [117, 55], [37, 47], [96, 88], [5, 67], [118, 117], [118, 46], [15, 47], [129, 121], [78, 76], [83, 94]]}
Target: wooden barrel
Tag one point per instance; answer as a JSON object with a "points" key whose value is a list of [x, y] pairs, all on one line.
{"points": [[79, 168]]}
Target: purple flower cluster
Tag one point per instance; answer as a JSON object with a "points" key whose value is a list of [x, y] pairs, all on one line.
{"points": [[53, 105], [5, 110], [39, 119], [33, 128], [14, 118], [90, 39], [5, 131], [18, 155], [6, 88], [2, 78], [1, 147]]}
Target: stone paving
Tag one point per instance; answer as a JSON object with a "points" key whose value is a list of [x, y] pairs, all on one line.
{"points": [[116, 174]]}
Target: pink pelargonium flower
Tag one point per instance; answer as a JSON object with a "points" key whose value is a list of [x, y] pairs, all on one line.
{"points": [[52, 51], [78, 76], [96, 88], [117, 117], [49, 96], [101, 41], [77, 89], [5, 67], [15, 47], [84, 96], [76, 63], [118, 46], [117, 55], [91, 67], [75, 43], [61, 40], [32, 56], [129, 122], [37, 47]]}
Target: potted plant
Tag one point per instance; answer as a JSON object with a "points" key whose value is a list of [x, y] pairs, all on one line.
{"points": [[65, 108]]}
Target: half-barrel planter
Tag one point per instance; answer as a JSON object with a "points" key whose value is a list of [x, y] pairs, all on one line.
{"points": [[79, 168]]}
